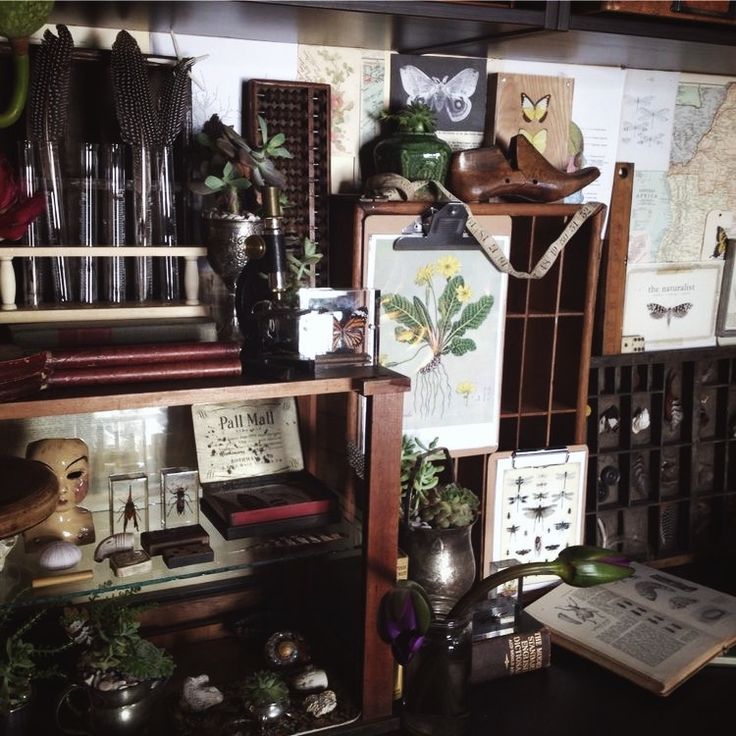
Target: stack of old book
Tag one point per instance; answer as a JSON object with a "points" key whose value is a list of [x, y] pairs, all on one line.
{"points": [[135, 363]]}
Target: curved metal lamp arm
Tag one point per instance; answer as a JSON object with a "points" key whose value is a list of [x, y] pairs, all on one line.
{"points": [[21, 69]]}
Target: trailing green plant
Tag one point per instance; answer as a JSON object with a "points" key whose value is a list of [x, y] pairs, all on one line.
{"points": [[416, 117], [22, 660], [433, 503], [108, 629], [262, 688], [233, 171]]}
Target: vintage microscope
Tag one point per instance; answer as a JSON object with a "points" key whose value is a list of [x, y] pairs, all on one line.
{"points": [[269, 324]]}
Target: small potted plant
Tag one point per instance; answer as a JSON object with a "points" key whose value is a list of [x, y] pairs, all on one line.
{"points": [[117, 666], [437, 518], [233, 175], [22, 662], [265, 696], [413, 150]]}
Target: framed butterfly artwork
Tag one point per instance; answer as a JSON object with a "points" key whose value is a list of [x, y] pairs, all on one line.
{"points": [[673, 305]]}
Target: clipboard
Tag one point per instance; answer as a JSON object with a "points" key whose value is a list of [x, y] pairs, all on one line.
{"points": [[534, 506]]}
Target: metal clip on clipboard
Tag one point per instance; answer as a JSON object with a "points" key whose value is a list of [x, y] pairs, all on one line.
{"points": [[539, 458], [443, 228]]}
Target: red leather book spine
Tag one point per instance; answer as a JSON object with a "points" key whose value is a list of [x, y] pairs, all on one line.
{"points": [[136, 373], [125, 355]]}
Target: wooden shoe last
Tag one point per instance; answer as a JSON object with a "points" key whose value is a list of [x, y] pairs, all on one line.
{"points": [[481, 174]]}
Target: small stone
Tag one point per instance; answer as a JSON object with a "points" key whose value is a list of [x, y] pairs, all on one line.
{"points": [[310, 678]]}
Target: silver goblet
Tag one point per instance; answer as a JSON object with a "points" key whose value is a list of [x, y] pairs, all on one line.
{"points": [[229, 247]]}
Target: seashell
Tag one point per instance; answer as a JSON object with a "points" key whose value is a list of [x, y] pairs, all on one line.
{"points": [[121, 542], [197, 695], [608, 420], [320, 704], [641, 480], [59, 556], [285, 648], [310, 678], [641, 420]]}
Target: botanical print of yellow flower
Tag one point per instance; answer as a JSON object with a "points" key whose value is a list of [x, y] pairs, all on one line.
{"points": [[424, 275], [436, 324], [448, 266], [463, 294], [465, 388]]}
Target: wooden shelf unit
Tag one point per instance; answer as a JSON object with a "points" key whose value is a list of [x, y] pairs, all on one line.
{"points": [[371, 505], [669, 490], [549, 321]]}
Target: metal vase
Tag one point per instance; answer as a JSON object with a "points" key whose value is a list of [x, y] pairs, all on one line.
{"points": [[442, 562], [227, 253]]}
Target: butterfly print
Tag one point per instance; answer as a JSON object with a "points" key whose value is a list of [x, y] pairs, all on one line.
{"points": [[538, 139], [348, 333], [657, 311], [452, 96], [721, 243], [534, 112]]}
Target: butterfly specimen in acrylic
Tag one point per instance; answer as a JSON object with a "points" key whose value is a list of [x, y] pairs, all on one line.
{"points": [[348, 332], [534, 112], [657, 311], [451, 95], [538, 139]]}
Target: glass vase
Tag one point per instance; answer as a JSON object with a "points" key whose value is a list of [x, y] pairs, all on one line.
{"points": [[35, 270], [164, 230], [88, 212], [436, 681], [113, 221]]}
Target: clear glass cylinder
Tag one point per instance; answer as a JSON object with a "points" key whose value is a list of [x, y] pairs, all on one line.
{"points": [[143, 221], [113, 220], [164, 231], [56, 224], [34, 271], [436, 680], [88, 199]]}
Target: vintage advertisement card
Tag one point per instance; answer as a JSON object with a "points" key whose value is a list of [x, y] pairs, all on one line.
{"points": [[246, 439]]}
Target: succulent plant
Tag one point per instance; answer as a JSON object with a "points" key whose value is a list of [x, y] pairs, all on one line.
{"points": [[433, 503], [262, 688], [417, 117]]}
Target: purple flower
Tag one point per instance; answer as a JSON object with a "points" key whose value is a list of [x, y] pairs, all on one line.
{"points": [[404, 618]]}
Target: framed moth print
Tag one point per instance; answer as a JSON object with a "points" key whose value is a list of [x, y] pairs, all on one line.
{"points": [[534, 506], [441, 324], [673, 305]]}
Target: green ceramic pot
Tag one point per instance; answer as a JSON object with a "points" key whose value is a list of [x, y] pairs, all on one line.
{"points": [[416, 156]]}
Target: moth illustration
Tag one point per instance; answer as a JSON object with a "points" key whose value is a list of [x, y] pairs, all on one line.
{"points": [[657, 311], [534, 112], [451, 95], [348, 333], [538, 139]]}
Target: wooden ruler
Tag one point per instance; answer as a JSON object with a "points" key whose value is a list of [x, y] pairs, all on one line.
{"points": [[612, 285]]}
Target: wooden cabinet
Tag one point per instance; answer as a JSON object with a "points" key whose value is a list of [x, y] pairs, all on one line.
{"points": [[663, 453], [337, 584], [549, 321]]}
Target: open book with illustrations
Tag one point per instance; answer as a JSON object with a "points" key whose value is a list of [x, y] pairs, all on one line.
{"points": [[653, 628]]}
